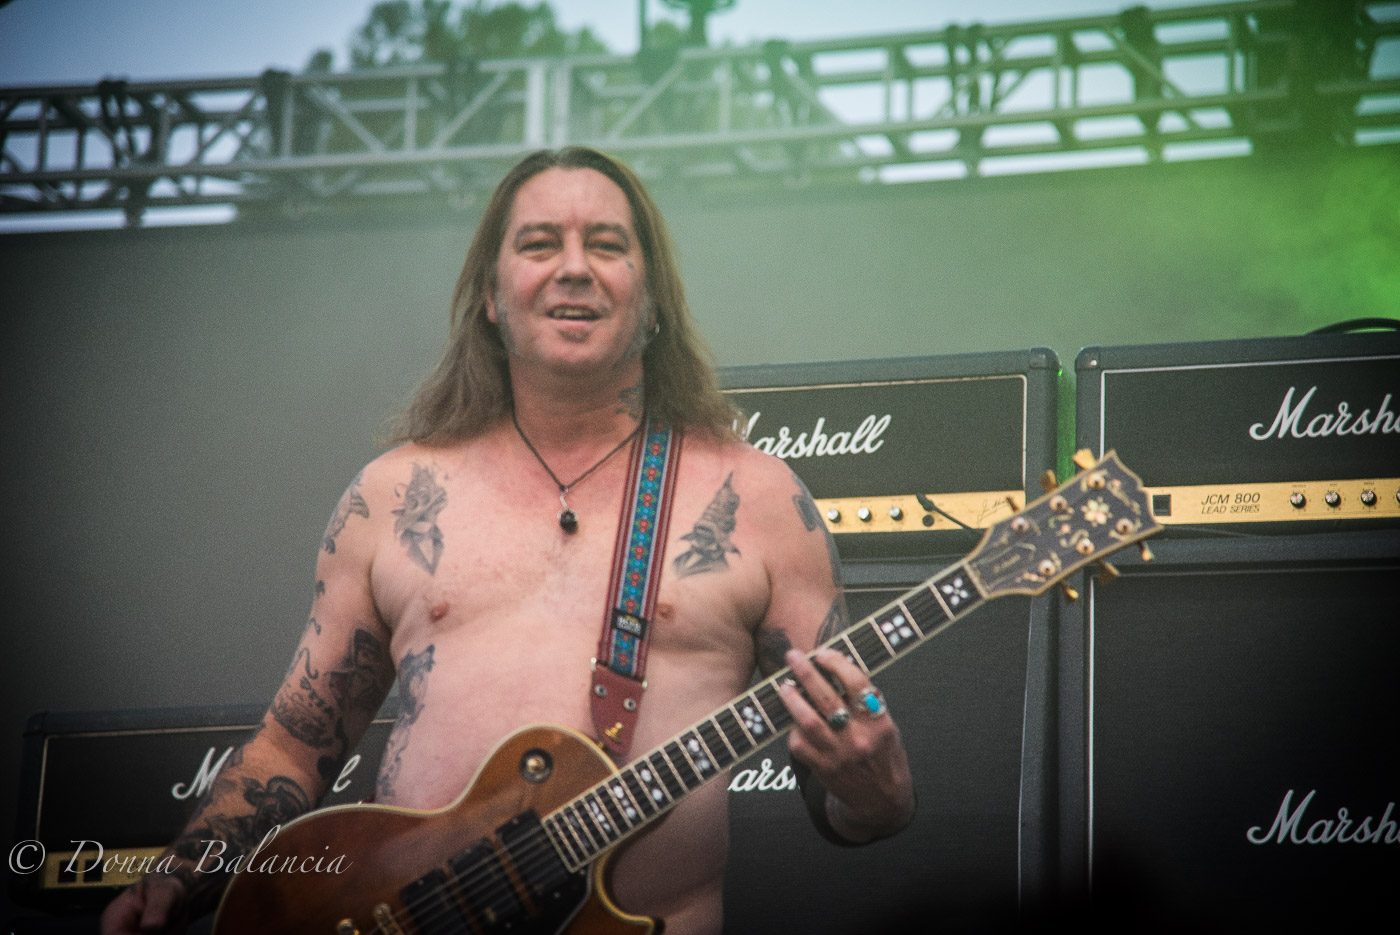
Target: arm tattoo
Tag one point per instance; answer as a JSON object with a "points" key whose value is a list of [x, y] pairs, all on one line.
{"points": [[835, 621], [416, 526], [351, 504], [812, 519], [275, 803], [709, 539], [413, 676], [354, 689], [807, 510], [771, 644]]}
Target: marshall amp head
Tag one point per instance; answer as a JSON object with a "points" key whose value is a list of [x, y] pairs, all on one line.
{"points": [[1283, 430], [898, 452], [103, 794]]}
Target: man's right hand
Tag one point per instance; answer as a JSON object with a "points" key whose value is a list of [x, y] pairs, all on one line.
{"points": [[155, 904]]}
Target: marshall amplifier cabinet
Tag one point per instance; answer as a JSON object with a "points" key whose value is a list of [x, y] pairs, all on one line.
{"points": [[897, 451], [103, 794], [1232, 709], [1229, 711], [1237, 433], [893, 452]]}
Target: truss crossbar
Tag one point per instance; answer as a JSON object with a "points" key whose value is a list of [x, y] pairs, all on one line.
{"points": [[839, 111]]}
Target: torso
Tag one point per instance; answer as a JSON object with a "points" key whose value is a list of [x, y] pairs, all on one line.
{"points": [[500, 634]]}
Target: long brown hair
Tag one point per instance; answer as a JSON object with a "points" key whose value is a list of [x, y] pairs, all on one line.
{"points": [[470, 387]]}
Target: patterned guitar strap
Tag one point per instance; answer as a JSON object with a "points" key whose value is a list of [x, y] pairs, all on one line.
{"points": [[619, 669]]}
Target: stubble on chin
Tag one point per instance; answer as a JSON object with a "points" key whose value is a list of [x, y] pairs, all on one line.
{"points": [[641, 336]]}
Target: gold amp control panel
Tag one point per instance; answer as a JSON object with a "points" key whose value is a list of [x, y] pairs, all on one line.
{"points": [[919, 512], [1376, 498]]}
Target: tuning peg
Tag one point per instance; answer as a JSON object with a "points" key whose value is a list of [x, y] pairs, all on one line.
{"points": [[1146, 552], [1071, 594], [1084, 459], [1107, 572], [1048, 481]]}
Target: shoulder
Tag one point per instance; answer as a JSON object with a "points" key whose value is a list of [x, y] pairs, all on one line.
{"points": [[765, 486], [408, 473], [403, 466]]}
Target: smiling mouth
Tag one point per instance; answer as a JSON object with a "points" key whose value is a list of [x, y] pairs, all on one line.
{"points": [[573, 313]]}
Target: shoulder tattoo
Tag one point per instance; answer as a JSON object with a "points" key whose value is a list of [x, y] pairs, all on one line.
{"points": [[351, 504]]}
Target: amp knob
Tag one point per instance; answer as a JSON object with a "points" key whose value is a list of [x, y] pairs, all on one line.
{"points": [[1298, 500], [864, 514], [833, 515], [1332, 498], [1368, 498]]}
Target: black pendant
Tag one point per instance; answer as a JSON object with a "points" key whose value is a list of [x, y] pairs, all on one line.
{"points": [[568, 521]]}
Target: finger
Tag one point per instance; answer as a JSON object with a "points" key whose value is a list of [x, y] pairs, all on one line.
{"points": [[820, 693], [838, 664]]}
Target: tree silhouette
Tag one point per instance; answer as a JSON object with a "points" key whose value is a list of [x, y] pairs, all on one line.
{"points": [[401, 32]]}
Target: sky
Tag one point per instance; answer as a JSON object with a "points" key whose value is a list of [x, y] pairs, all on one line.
{"points": [[54, 42]]}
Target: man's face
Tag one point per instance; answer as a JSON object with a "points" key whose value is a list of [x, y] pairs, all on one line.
{"points": [[570, 281]]}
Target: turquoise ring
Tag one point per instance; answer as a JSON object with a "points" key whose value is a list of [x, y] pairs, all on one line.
{"points": [[873, 702]]}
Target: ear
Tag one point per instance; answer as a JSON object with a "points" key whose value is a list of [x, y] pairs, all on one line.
{"points": [[491, 315]]}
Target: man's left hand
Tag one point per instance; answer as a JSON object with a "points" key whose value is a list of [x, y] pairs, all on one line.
{"points": [[847, 738]]}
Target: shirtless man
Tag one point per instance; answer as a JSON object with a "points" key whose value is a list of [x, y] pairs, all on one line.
{"points": [[446, 562]]}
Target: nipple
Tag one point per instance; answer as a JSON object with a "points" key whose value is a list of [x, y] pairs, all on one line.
{"points": [[438, 611]]}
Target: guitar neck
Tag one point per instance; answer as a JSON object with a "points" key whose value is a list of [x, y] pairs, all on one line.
{"points": [[651, 785]]}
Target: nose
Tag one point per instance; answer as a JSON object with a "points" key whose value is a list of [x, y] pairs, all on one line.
{"points": [[573, 262]]}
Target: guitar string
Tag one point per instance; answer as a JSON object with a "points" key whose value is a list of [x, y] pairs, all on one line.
{"points": [[536, 854], [487, 893], [539, 849]]}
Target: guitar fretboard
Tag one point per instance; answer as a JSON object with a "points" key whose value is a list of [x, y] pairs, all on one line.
{"points": [[651, 785]]}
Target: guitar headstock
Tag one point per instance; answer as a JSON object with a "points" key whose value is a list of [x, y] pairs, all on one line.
{"points": [[1095, 513]]}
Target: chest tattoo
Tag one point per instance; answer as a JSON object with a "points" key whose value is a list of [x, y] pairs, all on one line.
{"points": [[710, 538]]}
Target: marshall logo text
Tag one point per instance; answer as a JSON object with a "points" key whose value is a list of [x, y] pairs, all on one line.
{"points": [[209, 768], [1289, 826], [1289, 421], [817, 444]]}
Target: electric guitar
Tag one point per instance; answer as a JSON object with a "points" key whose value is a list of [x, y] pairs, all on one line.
{"points": [[524, 848]]}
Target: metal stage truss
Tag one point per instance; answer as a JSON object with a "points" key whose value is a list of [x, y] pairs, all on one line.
{"points": [[965, 100]]}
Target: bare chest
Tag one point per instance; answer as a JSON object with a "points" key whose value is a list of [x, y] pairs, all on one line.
{"points": [[511, 606]]}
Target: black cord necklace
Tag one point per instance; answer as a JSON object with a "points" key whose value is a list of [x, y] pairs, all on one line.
{"points": [[568, 519]]}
